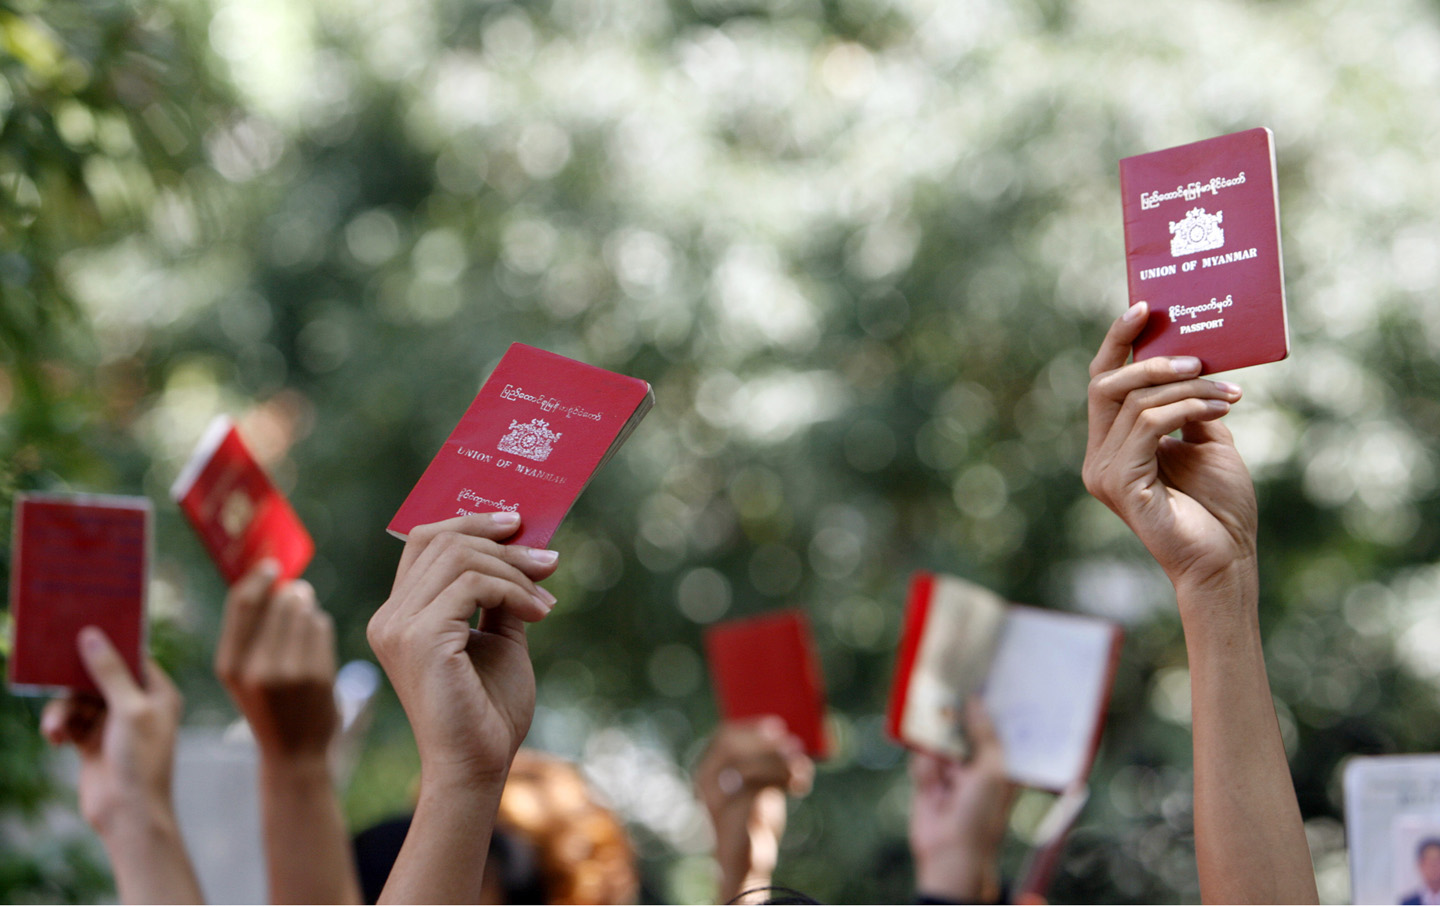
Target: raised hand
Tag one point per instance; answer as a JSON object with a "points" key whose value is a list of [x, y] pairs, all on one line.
{"points": [[1191, 502], [743, 779], [1189, 499], [276, 658], [469, 693], [958, 814], [126, 741]]}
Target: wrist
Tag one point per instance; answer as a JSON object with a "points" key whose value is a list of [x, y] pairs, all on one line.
{"points": [[732, 885], [454, 769], [461, 781], [137, 821], [1219, 598], [296, 768]]}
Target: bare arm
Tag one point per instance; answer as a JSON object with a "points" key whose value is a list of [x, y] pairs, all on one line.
{"points": [[958, 814], [1249, 838], [743, 779], [276, 657], [469, 693], [1191, 502], [126, 741]]}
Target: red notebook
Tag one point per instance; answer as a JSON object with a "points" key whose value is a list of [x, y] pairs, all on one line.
{"points": [[767, 666], [77, 561], [1202, 247], [529, 443], [1045, 677], [240, 516]]}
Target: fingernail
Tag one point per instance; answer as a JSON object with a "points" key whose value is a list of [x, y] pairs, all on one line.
{"points": [[1231, 389], [1184, 365], [544, 556], [1218, 405], [92, 640], [545, 599], [505, 518], [1133, 313]]}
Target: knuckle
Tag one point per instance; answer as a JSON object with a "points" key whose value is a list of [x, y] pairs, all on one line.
{"points": [[476, 583], [1158, 369], [375, 631], [289, 604], [448, 540]]}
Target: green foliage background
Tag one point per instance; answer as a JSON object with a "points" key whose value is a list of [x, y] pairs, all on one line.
{"points": [[863, 250]]}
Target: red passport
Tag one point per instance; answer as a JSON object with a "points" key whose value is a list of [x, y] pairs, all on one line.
{"points": [[240, 516], [1045, 677], [529, 443], [767, 666], [1202, 247], [77, 561]]}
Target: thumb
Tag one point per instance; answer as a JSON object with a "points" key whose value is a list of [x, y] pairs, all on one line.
{"points": [[980, 728], [1200, 432], [106, 667]]}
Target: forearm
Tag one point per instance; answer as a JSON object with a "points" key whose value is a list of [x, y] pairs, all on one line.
{"points": [[739, 870], [443, 859], [1249, 838], [747, 849], [148, 857], [307, 850], [734, 883]]}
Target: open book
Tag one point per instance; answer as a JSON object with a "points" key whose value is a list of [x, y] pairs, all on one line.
{"points": [[539, 429], [1045, 677]]}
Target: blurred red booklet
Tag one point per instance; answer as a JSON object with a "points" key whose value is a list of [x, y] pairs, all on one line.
{"points": [[1202, 247], [240, 516], [77, 561], [529, 443], [767, 666], [1045, 677]]}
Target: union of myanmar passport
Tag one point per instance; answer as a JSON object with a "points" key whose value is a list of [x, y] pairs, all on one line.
{"points": [[78, 560], [1202, 247], [541, 426]]}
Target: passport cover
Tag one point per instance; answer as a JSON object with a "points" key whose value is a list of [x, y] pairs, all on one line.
{"points": [[767, 666], [77, 561], [1045, 676], [240, 516], [1202, 247], [538, 430]]}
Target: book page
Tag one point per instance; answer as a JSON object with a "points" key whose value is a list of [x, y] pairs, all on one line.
{"points": [[1392, 806], [1046, 690], [954, 656]]}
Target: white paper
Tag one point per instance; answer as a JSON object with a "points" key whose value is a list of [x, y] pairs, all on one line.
{"points": [[1045, 690]]}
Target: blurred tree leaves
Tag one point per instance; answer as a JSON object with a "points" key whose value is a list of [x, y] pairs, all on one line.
{"points": [[863, 250], [103, 111]]}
